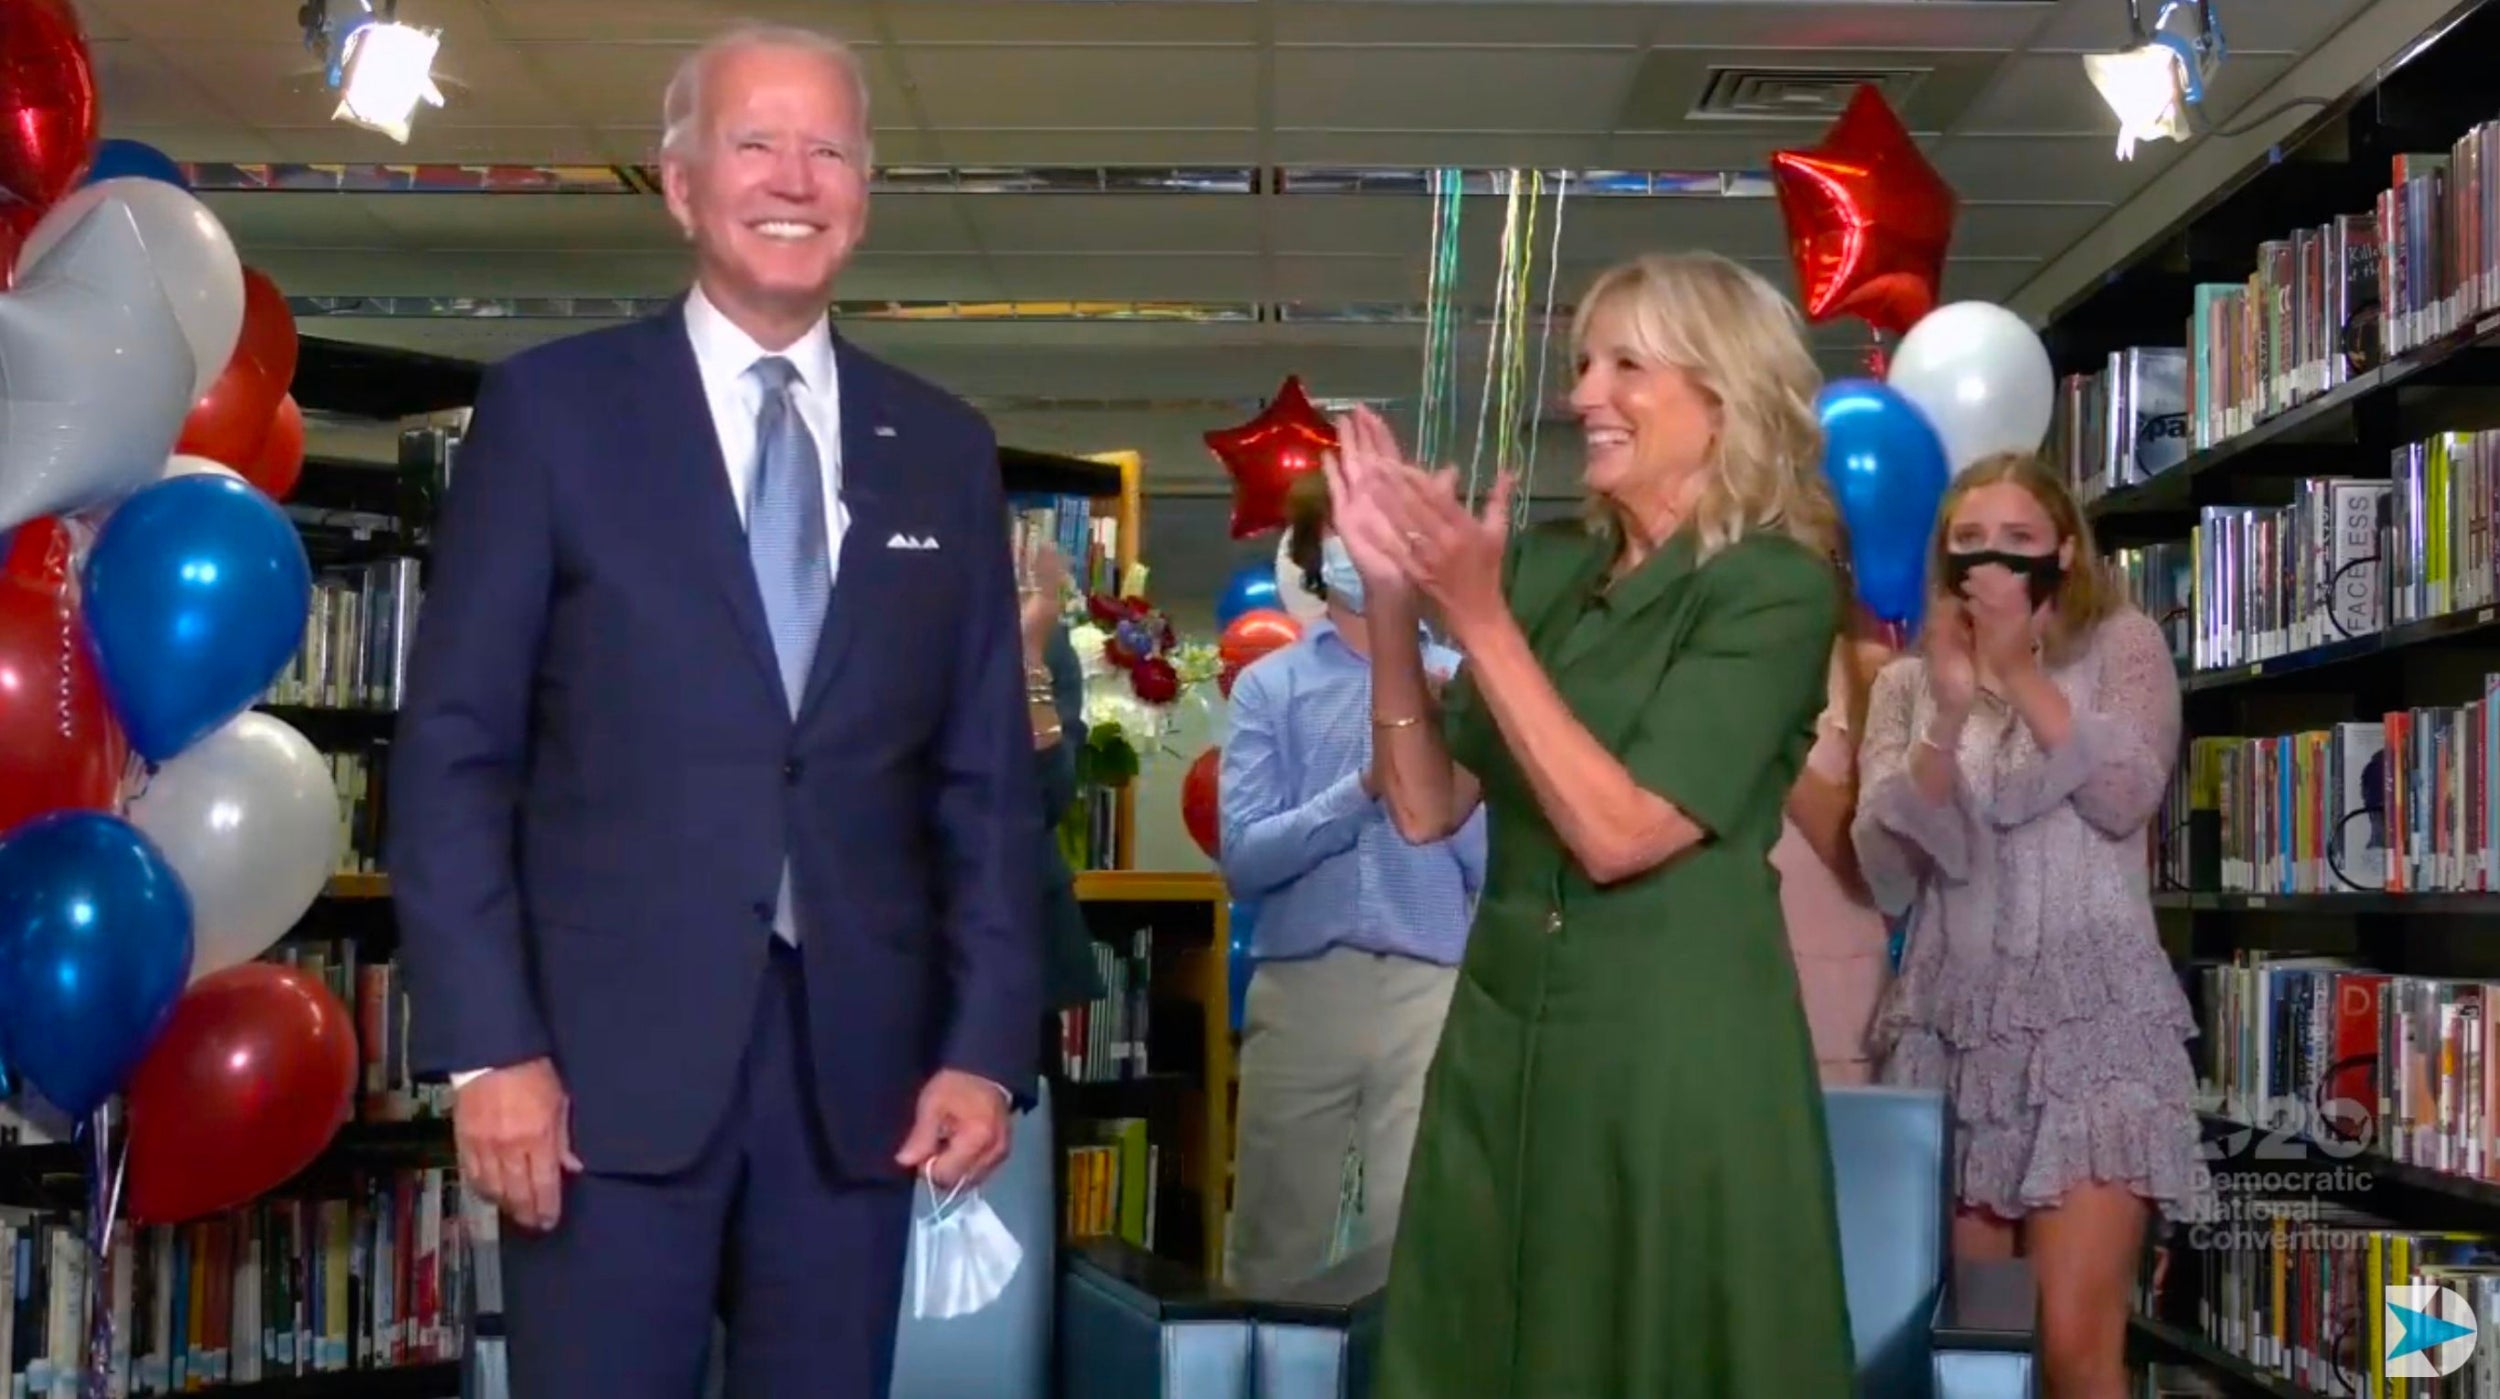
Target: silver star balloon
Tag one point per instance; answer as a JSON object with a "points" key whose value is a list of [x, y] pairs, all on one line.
{"points": [[95, 375]]}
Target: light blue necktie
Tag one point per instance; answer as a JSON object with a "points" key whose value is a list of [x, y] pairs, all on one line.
{"points": [[786, 539]]}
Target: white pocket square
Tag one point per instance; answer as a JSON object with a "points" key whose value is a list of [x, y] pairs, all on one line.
{"points": [[912, 541]]}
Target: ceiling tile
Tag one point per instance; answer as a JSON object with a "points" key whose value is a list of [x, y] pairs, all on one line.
{"points": [[1509, 25], [338, 142], [1706, 148], [1550, 150], [1110, 223], [1452, 89], [613, 84], [1045, 146], [633, 143], [2266, 26], [210, 142], [1853, 24], [1128, 278], [1063, 86], [673, 21], [2022, 230], [1359, 278], [2047, 167], [279, 84], [916, 275], [263, 221], [1985, 279], [100, 21], [1075, 22], [2048, 94], [246, 23], [554, 272], [137, 87], [522, 222]]}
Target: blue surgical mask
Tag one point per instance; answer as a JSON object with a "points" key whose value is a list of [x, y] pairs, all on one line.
{"points": [[1337, 574]]}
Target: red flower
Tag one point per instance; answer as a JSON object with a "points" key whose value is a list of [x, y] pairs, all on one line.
{"points": [[1155, 681]]}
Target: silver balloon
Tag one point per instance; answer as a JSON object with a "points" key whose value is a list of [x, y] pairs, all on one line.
{"points": [[193, 256], [95, 376], [249, 818], [1981, 377]]}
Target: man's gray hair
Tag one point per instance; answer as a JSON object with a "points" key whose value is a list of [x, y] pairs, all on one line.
{"points": [[681, 107]]}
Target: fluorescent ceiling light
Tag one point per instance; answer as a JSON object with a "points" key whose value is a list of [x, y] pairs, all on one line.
{"points": [[389, 70]]}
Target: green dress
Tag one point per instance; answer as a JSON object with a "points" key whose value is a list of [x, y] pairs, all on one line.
{"points": [[1621, 1187]]}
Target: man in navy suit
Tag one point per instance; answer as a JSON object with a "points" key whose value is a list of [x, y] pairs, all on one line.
{"points": [[711, 807]]}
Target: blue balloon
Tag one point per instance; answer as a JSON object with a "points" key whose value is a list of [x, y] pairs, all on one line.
{"points": [[1888, 471], [117, 158], [1253, 587], [95, 945], [196, 594], [1238, 964]]}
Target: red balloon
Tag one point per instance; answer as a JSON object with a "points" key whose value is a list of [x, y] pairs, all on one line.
{"points": [[44, 553], [1868, 218], [60, 747], [248, 1082], [1264, 454], [232, 420], [268, 335], [48, 116], [1199, 809], [1253, 634], [281, 460]]}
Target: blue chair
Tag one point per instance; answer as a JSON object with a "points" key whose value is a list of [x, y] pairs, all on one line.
{"points": [[1926, 1328]]}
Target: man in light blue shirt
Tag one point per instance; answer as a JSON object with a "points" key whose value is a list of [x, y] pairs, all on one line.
{"points": [[1358, 936]]}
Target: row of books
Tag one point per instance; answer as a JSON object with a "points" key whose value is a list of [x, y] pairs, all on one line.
{"points": [[2407, 804], [2332, 1060], [2297, 1292], [1105, 1039], [370, 1279], [375, 993], [2160, 579], [357, 639], [1089, 542], [1113, 1182], [358, 774]]}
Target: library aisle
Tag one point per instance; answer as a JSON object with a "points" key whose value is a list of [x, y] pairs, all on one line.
{"points": [[257, 260]]}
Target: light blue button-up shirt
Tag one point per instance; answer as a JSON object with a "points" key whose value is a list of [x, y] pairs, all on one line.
{"points": [[1323, 861]]}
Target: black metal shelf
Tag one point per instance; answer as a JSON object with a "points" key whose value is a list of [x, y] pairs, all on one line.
{"points": [[438, 1380], [2348, 905], [50, 1170], [2238, 1376], [2481, 624]]}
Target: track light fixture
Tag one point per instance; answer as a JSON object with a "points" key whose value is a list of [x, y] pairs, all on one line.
{"points": [[2151, 85], [380, 68]]}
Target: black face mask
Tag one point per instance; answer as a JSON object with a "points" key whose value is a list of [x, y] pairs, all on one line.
{"points": [[2043, 570]]}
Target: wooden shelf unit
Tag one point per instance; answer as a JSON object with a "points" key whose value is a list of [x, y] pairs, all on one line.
{"points": [[1194, 972]]}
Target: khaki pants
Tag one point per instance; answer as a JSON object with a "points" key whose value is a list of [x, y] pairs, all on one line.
{"points": [[1333, 1054]]}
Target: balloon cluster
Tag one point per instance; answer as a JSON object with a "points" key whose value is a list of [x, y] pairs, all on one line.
{"points": [[1869, 222], [151, 592]]}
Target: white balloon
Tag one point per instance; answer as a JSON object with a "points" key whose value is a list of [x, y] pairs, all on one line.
{"points": [[1297, 600], [249, 819], [194, 259], [1981, 377], [186, 465]]}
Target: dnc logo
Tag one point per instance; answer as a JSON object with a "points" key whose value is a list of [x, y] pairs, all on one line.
{"points": [[2430, 1331]]}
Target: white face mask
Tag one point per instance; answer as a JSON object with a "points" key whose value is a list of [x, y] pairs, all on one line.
{"points": [[962, 1256], [1338, 574]]}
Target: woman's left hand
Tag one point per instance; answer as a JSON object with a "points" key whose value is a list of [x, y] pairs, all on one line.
{"points": [[2003, 625], [1457, 556]]}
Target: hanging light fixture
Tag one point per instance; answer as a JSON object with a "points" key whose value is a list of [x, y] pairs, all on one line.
{"points": [[381, 69], [2150, 86]]}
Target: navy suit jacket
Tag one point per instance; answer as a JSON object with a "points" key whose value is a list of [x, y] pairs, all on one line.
{"points": [[596, 776]]}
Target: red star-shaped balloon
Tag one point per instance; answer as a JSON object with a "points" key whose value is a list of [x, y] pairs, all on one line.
{"points": [[1868, 218], [1264, 454]]}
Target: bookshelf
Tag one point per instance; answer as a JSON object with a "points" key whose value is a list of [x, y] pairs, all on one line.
{"points": [[1182, 922], [2306, 494]]}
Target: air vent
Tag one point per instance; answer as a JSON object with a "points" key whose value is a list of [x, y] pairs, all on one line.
{"points": [[1795, 94]]}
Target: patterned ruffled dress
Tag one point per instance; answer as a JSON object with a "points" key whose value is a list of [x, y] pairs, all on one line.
{"points": [[2034, 989]]}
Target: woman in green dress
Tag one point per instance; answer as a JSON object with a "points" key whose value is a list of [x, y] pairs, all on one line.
{"points": [[1620, 1187]]}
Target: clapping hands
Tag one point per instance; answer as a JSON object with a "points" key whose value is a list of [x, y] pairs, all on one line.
{"points": [[1407, 530]]}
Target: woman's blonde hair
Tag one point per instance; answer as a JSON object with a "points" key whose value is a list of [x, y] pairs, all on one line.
{"points": [[2084, 595], [1744, 345]]}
